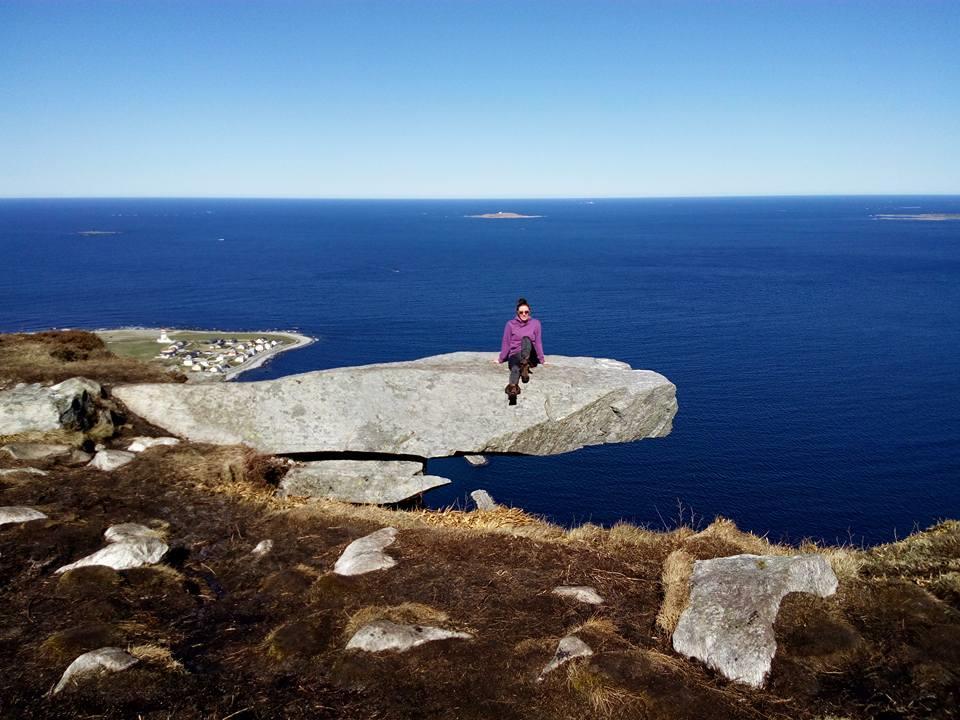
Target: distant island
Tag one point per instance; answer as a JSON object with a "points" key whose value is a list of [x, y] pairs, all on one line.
{"points": [[922, 217], [503, 216], [99, 232]]}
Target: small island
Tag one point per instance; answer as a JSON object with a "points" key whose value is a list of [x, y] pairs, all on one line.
{"points": [[504, 216], [91, 233], [921, 217], [202, 355]]}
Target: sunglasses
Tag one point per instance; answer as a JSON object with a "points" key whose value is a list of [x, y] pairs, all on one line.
{"points": [[523, 312]]}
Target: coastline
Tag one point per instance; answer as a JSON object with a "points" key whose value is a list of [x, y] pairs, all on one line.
{"points": [[133, 334]]}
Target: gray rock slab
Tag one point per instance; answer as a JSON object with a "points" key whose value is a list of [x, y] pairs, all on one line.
{"points": [[728, 623], [385, 635], [580, 593], [36, 408], [476, 460], [35, 451], [129, 545], [568, 648], [374, 482], [22, 471], [139, 444], [483, 500], [106, 659], [19, 514], [110, 460], [432, 407], [366, 554]]}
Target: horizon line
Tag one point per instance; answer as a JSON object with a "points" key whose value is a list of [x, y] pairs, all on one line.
{"points": [[518, 198]]}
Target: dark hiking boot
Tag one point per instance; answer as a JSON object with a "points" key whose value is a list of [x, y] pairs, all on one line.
{"points": [[512, 391], [525, 372]]}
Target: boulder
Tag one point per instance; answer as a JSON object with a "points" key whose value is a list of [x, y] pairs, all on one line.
{"points": [[106, 659], [728, 622], [476, 460], [569, 648], [130, 545], [385, 635], [110, 460], [432, 407], [18, 514], [374, 482], [35, 451], [366, 554], [263, 548], [35, 408], [580, 593], [483, 500], [139, 444]]}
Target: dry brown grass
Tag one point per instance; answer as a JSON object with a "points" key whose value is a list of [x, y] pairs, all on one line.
{"points": [[408, 613], [596, 625], [156, 655], [605, 699], [677, 569], [55, 355]]}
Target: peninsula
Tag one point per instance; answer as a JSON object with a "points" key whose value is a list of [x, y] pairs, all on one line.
{"points": [[202, 355]]}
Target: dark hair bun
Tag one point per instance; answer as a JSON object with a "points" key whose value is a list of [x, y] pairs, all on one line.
{"points": [[522, 301]]}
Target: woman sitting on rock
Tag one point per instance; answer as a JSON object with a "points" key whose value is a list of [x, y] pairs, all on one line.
{"points": [[521, 337]]}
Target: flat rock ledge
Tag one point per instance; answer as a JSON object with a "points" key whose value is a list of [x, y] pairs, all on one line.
{"points": [[106, 659], [130, 545], [568, 648], [433, 407], [71, 404], [374, 482], [366, 554], [35, 451], [19, 514], [728, 623], [139, 444], [385, 635]]}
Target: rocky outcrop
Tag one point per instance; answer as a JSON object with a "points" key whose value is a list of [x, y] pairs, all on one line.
{"points": [[483, 500], [568, 648], [19, 514], [36, 409], [130, 545], [139, 444], [375, 482], [385, 635], [433, 407], [366, 554], [110, 460], [36, 451], [107, 659], [728, 623]]}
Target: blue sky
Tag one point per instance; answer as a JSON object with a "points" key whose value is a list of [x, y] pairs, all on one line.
{"points": [[478, 99]]}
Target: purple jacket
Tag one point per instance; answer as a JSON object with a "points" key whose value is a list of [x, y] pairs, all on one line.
{"points": [[514, 332]]}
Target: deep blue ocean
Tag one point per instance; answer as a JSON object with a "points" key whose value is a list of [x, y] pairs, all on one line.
{"points": [[815, 349]]}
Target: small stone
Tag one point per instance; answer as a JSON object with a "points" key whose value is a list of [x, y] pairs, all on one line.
{"points": [[99, 446], [130, 545], [35, 451], [76, 457], [728, 622], [140, 444], [483, 500], [385, 635], [366, 554], [19, 514], [262, 548], [476, 460], [110, 460], [569, 648], [581, 593], [106, 659], [24, 470]]}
